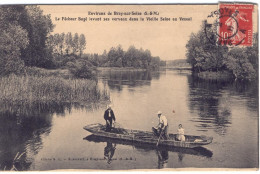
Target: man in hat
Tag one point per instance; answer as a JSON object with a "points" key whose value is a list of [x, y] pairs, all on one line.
{"points": [[109, 117], [162, 128]]}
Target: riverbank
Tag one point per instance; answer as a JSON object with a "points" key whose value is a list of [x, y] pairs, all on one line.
{"points": [[220, 75], [120, 69], [46, 89]]}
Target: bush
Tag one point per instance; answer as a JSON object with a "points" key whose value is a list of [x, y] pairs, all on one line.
{"points": [[82, 69]]}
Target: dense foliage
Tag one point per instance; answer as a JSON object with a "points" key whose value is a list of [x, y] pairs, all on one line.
{"points": [[39, 27], [67, 52], [133, 57], [82, 69], [25, 41], [204, 55], [24, 31], [13, 38]]}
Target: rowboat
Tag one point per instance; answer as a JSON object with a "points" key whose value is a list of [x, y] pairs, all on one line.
{"points": [[145, 137]]}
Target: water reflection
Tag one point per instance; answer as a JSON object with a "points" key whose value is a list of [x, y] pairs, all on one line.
{"points": [[117, 79], [109, 151], [22, 127], [212, 101], [248, 90], [161, 151], [163, 157]]}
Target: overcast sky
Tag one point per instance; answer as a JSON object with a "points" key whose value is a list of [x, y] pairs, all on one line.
{"points": [[164, 39]]}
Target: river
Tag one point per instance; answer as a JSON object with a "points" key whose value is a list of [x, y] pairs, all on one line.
{"points": [[50, 137]]}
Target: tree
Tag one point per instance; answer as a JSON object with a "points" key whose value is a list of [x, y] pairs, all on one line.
{"points": [[112, 55], [204, 53], [237, 61], [75, 44], [103, 58], [133, 57], [118, 63], [253, 51], [38, 27], [68, 43], [82, 69], [82, 44], [130, 56], [13, 38]]}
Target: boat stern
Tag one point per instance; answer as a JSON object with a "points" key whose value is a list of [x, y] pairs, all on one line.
{"points": [[93, 127]]}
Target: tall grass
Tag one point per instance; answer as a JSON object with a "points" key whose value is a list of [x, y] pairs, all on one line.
{"points": [[49, 89]]}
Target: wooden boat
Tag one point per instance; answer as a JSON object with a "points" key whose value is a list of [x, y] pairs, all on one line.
{"points": [[146, 137]]}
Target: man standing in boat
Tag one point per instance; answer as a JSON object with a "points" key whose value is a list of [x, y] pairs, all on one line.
{"points": [[109, 117], [162, 128]]}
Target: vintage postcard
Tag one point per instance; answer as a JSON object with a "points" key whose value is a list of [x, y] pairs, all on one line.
{"points": [[129, 86]]}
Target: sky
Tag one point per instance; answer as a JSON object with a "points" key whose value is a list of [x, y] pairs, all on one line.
{"points": [[166, 39]]}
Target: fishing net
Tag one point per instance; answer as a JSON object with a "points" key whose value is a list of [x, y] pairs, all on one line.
{"points": [[117, 128], [117, 125]]}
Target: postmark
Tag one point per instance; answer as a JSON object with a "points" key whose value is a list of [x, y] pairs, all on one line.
{"points": [[230, 25]]}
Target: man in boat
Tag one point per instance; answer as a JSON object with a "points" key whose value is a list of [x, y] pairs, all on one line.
{"points": [[109, 117], [162, 128]]}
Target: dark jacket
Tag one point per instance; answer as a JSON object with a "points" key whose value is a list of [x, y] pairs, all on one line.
{"points": [[107, 113]]}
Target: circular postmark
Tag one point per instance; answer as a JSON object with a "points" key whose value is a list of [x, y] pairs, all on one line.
{"points": [[222, 28], [230, 25]]}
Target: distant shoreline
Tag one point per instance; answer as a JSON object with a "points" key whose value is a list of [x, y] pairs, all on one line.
{"points": [[121, 69]]}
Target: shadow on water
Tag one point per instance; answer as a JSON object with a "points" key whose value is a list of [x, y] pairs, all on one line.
{"points": [[161, 151], [212, 100], [22, 127], [117, 79]]}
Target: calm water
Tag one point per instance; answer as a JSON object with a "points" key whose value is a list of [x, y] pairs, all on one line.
{"points": [[52, 135]]}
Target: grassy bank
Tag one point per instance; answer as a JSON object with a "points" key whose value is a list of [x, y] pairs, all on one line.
{"points": [[40, 72], [209, 75], [49, 89]]}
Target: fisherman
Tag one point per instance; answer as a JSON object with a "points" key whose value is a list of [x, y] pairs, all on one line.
{"points": [[109, 117], [162, 128]]}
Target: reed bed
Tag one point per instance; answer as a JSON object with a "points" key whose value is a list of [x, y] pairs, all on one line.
{"points": [[31, 89]]}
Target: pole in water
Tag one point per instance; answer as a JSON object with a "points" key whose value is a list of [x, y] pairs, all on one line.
{"points": [[159, 138]]}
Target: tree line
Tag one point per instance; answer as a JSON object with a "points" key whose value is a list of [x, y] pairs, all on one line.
{"points": [[65, 44], [26, 40], [133, 57], [204, 55]]}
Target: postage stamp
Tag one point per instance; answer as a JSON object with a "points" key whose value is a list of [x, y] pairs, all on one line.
{"points": [[235, 24], [230, 25]]}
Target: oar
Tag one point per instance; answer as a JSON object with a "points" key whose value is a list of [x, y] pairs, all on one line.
{"points": [[159, 139]]}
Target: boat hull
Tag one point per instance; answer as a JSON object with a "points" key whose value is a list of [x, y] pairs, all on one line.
{"points": [[144, 137]]}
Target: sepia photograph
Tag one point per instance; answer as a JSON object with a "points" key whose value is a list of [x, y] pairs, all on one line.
{"points": [[129, 86]]}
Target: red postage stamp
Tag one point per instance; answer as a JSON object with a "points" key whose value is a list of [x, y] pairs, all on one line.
{"points": [[236, 25]]}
